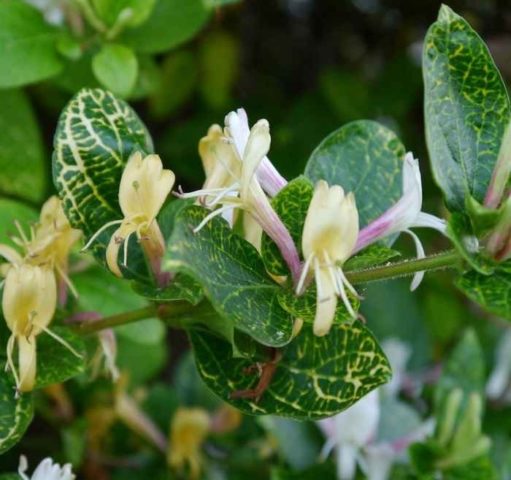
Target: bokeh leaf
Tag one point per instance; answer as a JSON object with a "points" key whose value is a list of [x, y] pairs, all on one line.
{"points": [[55, 362], [232, 275], [490, 291], [15, 414], [365, 158], [21, 148], [27, 45], [467, 108], [116, 68], [171, 23], [316, 377]]}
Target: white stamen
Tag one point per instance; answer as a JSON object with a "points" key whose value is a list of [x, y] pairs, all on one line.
{"points": [[61, 341], [213, 214], [98, 233], [303, 275]]}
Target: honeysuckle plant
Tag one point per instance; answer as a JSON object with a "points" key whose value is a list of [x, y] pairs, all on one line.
{"points": [[266, 276]]}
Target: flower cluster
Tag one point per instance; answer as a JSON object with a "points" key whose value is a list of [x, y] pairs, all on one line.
{"points": [[239, 177], [35, 280]]}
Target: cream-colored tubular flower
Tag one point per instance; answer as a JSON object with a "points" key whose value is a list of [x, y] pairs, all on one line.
{"points": [[329, 236], [189, 429], [144, 187], [28, 304], [246, 192]]}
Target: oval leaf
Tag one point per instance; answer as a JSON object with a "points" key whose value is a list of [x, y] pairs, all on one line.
{"points": [[27, 45], [232, 275], [116, 68], [316, 377], [365, 158], [466, 106], [55, 362], [95, 136]]}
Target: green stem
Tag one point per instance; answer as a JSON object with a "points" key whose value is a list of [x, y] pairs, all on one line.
{"points": [[449, 259], [174, 312]]}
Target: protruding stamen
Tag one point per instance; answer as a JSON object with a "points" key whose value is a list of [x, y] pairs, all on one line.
{"points": [[303, 275], [213, 214], [99, 232]]}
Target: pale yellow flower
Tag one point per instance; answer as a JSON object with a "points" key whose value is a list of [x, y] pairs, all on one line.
{"points": [[28, 304], [144, 188], [48, 244], [329, 236], [189, 429]]}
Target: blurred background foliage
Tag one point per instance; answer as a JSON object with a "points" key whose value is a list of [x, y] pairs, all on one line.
{"points": [[308, 66]]}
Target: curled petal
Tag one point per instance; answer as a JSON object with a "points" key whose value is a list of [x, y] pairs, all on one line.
{"points": [[119, 237], [417, 278], [326, 302], [27, 362], [144, 186], [11, 255], [257, 147]]}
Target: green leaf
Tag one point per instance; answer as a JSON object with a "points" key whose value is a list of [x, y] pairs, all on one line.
{"points": [[22, 156], [464, 369], [467, 108], [182, 287], [478, 469], [316, 377], [171, 23], [365, 158], [371, 256], [291, 205], [55, 362], [110, 10], [325, 470], [10, 476], [220, 61], [462, 235], [172, 92], [95, 136], [116, 68], [11, 211], [304, 306], [15, 414], [27, 45], [232, 275], [490, 291]]}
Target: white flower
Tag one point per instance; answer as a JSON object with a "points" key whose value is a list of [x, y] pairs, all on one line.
{"points": [[403, 215], [236, 158], [349, 431], [46, 470], [329, 235]]}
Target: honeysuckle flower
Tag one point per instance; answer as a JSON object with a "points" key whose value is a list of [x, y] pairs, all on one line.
{"points": [[144, 187], [329, 236], [245, 192], [238, 129], [189, 429], [46, 470], [48, 244], [349, 431], [403, 215], [354, 433], [501, 172], [28, 304]]}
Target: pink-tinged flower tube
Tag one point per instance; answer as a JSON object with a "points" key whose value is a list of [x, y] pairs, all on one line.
{"points": [[403, 215], [501, 172], [245, 191], [236, 124]]}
